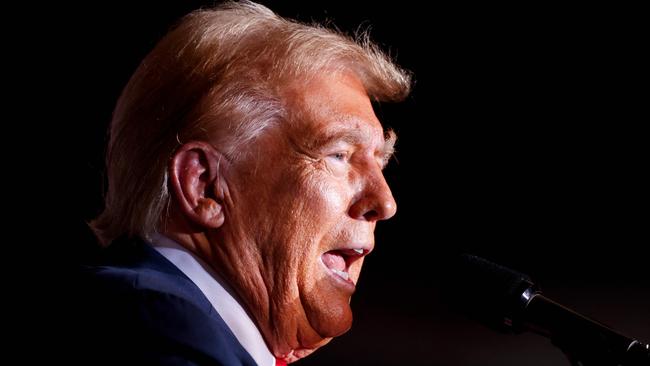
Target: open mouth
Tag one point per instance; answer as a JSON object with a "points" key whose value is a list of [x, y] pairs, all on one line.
{"points": [[338, 261]]}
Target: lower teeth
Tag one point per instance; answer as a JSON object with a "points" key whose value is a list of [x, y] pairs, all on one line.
{"points": [[343, 275]]}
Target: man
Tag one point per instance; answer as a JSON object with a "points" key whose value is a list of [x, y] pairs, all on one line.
{"points": [[244, 185]]}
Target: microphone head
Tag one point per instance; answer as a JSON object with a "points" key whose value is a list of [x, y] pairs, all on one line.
{"points": [[488, 292]]}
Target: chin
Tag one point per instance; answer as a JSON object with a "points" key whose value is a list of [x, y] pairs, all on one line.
{"points": [[323, 310], [327, 305], [337, 326], [329, 316], [320, 326]]}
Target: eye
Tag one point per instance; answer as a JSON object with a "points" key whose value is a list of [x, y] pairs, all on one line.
{"points": [[342, 156]]}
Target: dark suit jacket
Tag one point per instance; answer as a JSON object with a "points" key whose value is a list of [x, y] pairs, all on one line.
{"points": [[136, 307]]}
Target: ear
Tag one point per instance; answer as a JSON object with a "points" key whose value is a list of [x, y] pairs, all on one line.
{"points": [[195, 173]]}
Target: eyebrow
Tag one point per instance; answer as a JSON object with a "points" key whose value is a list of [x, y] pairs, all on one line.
{"points": [[357, 137], [351, 136], [388, 150]]}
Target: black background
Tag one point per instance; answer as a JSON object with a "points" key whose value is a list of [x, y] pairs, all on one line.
{"points": [[523, 141]]}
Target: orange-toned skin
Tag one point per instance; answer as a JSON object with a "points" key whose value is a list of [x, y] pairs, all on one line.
{"points": [[310, 185]]}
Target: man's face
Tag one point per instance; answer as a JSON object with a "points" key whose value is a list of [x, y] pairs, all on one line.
{"points": [[304, 210]]}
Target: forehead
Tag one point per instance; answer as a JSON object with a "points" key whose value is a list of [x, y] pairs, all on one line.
{"points": [[332, 105]]}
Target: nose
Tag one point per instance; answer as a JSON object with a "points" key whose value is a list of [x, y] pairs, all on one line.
{"points": [[375, 201]]}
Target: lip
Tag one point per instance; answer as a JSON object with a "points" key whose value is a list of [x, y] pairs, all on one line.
{"points": [[367, 249], [347, 285], [350, 256]]}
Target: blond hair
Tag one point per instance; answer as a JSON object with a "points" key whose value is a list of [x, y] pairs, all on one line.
{"points": [[217, 77]]}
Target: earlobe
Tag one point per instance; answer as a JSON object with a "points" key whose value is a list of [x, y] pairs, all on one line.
{"points": [[210, 213], [195, 176]]}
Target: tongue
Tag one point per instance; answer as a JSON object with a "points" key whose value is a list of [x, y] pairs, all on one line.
{"points": [[334, 260]]}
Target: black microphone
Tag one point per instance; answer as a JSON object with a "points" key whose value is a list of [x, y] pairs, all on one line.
{"points": [[507, 300]]}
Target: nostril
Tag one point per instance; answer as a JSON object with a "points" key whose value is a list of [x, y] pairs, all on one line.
{"points": [[371, 215], [382, 212], [374, 203], [371, 210]]}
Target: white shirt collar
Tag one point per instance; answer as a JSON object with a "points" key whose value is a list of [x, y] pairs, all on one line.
{"points": [[215, 289]]}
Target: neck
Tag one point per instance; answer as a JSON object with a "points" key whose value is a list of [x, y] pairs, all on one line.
{"points": [[228, 260]]}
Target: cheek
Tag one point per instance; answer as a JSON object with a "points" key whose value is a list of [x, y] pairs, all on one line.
{"points": [[318, 212], [306, 210], [310, 210], [312, 200], [326, 307], [330, 197]]}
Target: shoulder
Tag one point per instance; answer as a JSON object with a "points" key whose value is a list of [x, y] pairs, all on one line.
{"points": [[137, 303], [132, 270]]}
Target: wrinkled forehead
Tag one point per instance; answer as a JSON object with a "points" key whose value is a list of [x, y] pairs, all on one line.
{"points": [[333, 106]]}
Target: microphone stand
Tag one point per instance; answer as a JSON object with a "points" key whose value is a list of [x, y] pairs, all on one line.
{"points": [[584, 341]]}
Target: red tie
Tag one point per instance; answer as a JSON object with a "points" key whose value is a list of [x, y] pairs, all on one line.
{"points": [[279, 362]]}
